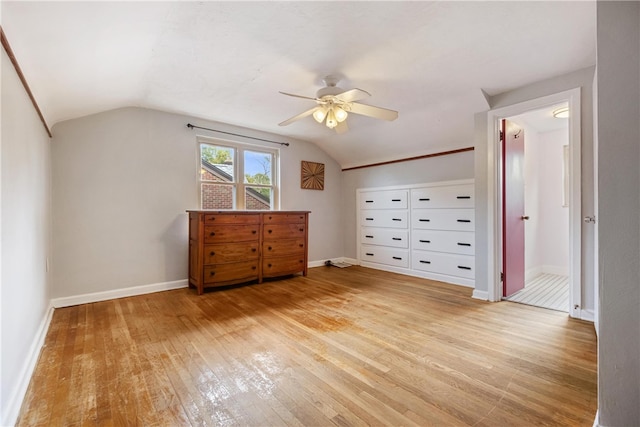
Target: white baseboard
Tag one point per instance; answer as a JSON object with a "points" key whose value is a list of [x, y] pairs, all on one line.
{"points": [[555, 269], [16, 396], [587, 315], [482, 295], [118, 293], [532, 273]]}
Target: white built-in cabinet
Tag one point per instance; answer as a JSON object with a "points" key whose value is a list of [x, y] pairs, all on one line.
{"points": [[425, 230]]}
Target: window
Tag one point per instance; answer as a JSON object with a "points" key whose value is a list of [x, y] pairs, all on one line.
{"points": [[235, 176]]}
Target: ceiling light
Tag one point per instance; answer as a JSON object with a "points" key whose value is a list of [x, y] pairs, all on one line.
{"points": [[561, 113], [341, 115], [320, 114], [331, 120]]}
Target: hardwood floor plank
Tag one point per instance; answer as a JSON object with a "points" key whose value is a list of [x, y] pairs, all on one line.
{"points": [[344, 347]]}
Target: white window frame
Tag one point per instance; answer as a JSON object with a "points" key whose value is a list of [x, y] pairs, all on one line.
{"points": [[239, 185]]}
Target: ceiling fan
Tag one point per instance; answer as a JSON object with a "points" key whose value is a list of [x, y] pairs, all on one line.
{"points": [[334, 105]]}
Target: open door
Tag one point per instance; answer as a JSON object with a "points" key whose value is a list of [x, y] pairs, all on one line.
{"points": [[513, 215]]}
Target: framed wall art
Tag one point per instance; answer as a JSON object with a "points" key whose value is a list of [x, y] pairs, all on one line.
{"points": [[312, 175]]}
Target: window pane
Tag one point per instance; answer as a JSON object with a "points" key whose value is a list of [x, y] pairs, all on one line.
{"points": [[216, 163], [257, 168], [257, 198], [217, 196]]}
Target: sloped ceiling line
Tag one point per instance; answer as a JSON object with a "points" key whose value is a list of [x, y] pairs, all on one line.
{"points": [[14, 61]]}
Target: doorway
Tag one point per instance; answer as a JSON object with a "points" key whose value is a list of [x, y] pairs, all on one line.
{"points": [[542, 279], [494, 223]]}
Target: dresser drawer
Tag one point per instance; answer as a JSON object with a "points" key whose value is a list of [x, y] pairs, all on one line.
{"points": [[283, 247], [449, 264], [284, 218], [383, 255], [382, 218], [279, 266], [443, 219], [211, 219], [385, 237], [448, 196], [384, 199], [230, 252], [236, 272], [455, 242], [283, 231], [231, 233]]}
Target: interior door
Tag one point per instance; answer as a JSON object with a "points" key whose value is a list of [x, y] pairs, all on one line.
{"points": [[513, 215]]}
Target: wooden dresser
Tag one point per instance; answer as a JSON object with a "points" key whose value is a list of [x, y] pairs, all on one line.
{"points": [[230, 247]]}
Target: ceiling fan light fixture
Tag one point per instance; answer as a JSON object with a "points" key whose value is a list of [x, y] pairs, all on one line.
{"points": [[331, 120], [340, 114], [320, 114], [561, 113]]}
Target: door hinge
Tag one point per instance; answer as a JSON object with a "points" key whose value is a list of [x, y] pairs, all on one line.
{"points": [[501, 135], [501, 276]]}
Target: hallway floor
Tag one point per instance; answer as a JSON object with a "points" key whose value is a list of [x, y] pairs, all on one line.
{"points": [[547, 291]]}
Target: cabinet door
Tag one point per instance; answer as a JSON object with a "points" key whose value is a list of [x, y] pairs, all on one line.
{"points": [[385, 237], [443, 219], [384, 199], [384, 218], [448, 196], [449, 264]]}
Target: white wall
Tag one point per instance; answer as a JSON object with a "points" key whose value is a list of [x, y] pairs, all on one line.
{"points": [[122, 180], [442, 168], [25, 240], [618, 104], [547, 231], [582, 79]]}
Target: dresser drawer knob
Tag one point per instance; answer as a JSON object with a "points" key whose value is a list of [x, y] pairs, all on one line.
{"points": [[301, 229], [396, 219], [253, 249], [396, 238], [369, 237], [462, 267], [369, 254], [270, 248], [369, 219], [212, 253], [425, 241], [269, 265], [213, 273], [464, 220], [301, 245], [424, 199], [254, 231], [269, 231], [212, 234], [396, 200], [464, 244], [463, 197], [253, 267], [424, 220], [397, 257], [424, 262], [270, 217]]}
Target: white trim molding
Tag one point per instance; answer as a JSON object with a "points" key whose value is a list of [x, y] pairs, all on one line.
{"points": [[481, 295], [26, 372], [118, 293]]}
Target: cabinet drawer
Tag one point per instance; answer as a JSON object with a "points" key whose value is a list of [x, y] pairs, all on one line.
{"points": [[382, 218], [382, 255], [443, 219], [279, 266], [231, 233], [449, 264], [283, 247], [385, 237], [283, 231], [284, 218], [448, 196], [384, 199], [230, 252], [211, 219], [455, 242], [237, 271]]}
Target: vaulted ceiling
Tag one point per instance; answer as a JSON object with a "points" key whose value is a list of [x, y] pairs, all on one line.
{"points": [[227, 61]]}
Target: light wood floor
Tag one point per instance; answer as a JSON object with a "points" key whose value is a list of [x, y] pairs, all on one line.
{"points": [[342, 347]]}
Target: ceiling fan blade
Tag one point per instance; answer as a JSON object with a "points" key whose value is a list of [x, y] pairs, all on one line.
{"points": [[353, 95], [299, 96], [371, 111], [341, 127], [298, 117]]}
